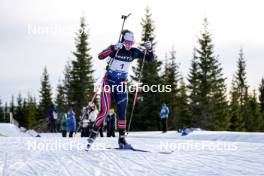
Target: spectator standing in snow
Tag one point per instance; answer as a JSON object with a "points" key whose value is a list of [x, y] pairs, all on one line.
{"points": [[110, 123], [71, 122], [164, 114], [101, 130], [88, 119], [52, 118], [84, 122], [63, 125]]}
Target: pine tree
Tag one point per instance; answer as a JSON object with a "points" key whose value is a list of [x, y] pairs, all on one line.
{"points": [[171, 76], [241, 77], [261, 95], [183, 118], [82, 81], [242, 88], [261, 103], [30, 112], [6, 112], [19, 114], [236, 120], [221, 116], [24, 121], [193, 87], [212, 88], [245, 110], [66, 83], [61, 100], [1, 112], [45, 95], [148, 116], [12, 105], [26, 111], [253, 115]]}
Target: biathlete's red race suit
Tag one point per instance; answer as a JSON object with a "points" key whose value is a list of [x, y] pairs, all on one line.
{"points": [[117, 74]]}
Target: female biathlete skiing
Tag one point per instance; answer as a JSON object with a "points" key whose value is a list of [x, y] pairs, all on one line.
{"points": [[122, 54]]}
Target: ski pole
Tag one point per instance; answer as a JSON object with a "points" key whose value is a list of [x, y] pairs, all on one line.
{"points": [[137, 90], [124, 17]]}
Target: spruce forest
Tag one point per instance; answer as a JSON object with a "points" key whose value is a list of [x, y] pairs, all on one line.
{"points": [[201, 99]]}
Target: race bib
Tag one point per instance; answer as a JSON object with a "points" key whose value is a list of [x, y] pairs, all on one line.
{"points": [[120, 66]]}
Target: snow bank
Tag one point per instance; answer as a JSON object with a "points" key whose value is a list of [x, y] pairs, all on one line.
{"points": [[205, 136], [33, 133], [49, 157], [252, 137], [10, 130]]}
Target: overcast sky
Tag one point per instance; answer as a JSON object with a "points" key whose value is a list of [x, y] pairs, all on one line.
{"points": [[24, 52]]}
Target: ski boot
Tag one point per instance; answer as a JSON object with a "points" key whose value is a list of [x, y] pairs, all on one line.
{"points": [[122, 141], [91, 140]]}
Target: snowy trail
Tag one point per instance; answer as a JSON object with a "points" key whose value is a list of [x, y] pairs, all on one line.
{"points": [[4, 164], [246, 158]]}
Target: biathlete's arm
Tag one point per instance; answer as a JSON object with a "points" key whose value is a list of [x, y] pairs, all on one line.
{"points": [[110, 51], [140, 54]]}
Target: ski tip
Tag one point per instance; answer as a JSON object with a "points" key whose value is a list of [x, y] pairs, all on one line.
{"points": [[166, 152], [86, 149]]}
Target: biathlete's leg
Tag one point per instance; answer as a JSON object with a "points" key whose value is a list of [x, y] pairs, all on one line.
{"points": [[105, 104], [121, 99]]}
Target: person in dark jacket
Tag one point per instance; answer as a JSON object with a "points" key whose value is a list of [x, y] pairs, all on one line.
{"points": [[102, 129], [110, 123], [71, 122], [63, 125], [52, 118]]}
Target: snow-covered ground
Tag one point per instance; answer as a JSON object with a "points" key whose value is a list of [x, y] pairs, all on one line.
{"points": [[199, 153], [10, 130]]}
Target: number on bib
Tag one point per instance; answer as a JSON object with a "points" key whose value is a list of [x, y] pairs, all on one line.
{"points": [[122, 66]]}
